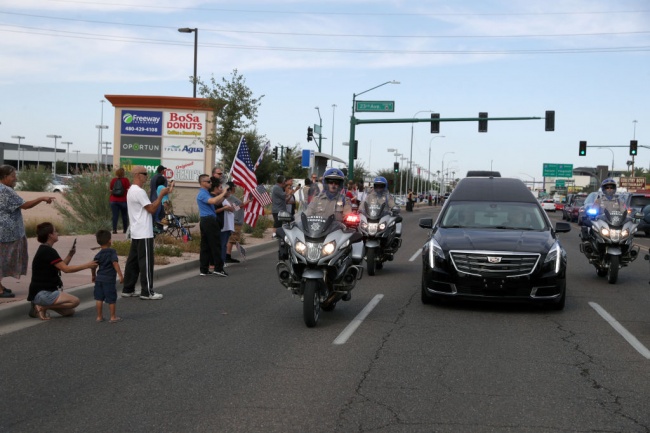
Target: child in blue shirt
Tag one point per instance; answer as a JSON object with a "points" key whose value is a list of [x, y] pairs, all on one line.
{"points": [[104, 276]]}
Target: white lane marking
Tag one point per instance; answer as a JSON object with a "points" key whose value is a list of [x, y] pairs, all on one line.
{"points": [[349, 330], [416, 255], [621, 330]]}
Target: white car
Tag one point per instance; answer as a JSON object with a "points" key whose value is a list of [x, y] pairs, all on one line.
{"points": [[548, 205], [56, 186]]}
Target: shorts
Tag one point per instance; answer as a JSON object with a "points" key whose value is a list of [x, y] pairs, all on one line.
{"points": [[105, 291], [235, 237], [46, 298], [276, 222]]}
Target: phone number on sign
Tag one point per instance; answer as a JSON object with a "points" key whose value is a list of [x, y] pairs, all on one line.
{"points": [[141, 129]]}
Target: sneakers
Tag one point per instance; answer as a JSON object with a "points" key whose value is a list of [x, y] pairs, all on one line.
{"points": [[231, 260], [220, 273], [203, 274], [152, 297], [131, 294]]}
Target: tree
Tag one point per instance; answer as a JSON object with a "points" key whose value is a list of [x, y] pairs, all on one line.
{"points": [[233, 104]]}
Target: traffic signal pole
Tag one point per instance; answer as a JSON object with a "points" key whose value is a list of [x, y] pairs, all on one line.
{"points": [[354, 122]]}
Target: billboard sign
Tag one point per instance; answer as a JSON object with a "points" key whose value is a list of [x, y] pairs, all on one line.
{"points": [[150, 164], [183, 148], [632, 183], [135, 122], [185, 171], [147, 147], [184, 124]]}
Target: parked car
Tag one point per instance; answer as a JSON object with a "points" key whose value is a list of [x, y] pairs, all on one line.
{"points": [[548, 204], [56, 186], [638, 202], [493, 241]]}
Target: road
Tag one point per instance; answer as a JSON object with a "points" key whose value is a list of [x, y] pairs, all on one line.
{"points": [[233, 355]]}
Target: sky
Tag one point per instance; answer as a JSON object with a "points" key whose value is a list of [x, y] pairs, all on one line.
{"points": [[589, 61]]}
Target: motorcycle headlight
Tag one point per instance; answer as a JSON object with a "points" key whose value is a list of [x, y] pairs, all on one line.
{"points": [[300, 248], [604, 232], [382, 226], [435, 250], [554, 257], [625, 233], [328, 248]]}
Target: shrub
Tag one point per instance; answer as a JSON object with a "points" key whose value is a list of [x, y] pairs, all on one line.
{"points": [[34, 179]]}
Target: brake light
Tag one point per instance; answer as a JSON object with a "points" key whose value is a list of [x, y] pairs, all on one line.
{"points": [[352, 220]]}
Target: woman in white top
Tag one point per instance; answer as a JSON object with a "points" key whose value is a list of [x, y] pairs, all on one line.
{"points": [[228, 220]]}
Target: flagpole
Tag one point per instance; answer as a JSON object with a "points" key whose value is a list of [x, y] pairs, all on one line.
{"points": [[236, 153]]}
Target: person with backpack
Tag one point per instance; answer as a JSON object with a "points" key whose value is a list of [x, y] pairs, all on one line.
{"points": [[119, 186]]}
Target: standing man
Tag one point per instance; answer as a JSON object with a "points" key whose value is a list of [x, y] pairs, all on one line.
{"points": [[209, 225], [219, 174], [314, 188], [140, 260], [278, 202], [156, 180]]}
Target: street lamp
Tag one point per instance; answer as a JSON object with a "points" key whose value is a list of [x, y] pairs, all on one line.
{"points": [[411, 154], [320, 130], [55, 137], [353, 124], [401, 190], [429, 169], [77, 166], [442, 172], [107, 145], [18, 137], [196, 40], [99, 142], [67, 159]]}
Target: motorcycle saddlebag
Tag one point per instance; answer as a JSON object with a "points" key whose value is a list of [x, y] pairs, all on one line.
{"points": [[358, 252]]}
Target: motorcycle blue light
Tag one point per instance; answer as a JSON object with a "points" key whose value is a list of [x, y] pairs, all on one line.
{"points": [[592, 212]]}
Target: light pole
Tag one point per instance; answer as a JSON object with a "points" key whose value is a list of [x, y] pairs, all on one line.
{"points": [[442, 172], [55, 137], [411, 154], [18, 137], [607, 148], [351, 143], [99, 143], [77, 166], [107, 145], [401, 190], [429, 169], [353, 124], [532, 177], [196, 40], [320, 127], [67, 157]]}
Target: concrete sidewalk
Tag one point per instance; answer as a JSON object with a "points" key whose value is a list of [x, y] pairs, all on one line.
{"points": [[80, 283]]}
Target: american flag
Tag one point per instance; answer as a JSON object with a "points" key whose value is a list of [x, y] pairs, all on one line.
{"points": [[243, 171], [243, 174], [261, 195]]}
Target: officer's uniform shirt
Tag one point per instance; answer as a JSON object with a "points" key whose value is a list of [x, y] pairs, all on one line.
{"points": [[610, 204], [380, 199], [323, 206]]}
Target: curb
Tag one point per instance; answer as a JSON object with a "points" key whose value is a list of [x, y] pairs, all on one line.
{"points": [[18, 310]]}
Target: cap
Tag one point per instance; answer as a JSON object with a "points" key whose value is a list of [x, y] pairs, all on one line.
{"points": [[161, 169]]}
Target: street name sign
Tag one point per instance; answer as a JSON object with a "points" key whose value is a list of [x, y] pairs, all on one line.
{"points": [[558, 170], [375, 106]]}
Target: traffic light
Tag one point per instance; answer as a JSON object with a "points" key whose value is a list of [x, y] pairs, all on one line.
{"points": [[310, 133], [633, 146], [549, 121], [583, 148], [275, 153], [396, 167], [482, 124], [435, 125]]}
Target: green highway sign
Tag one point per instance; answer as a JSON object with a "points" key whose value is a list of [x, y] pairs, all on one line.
{"points": [[559, 184], [558, 170], [375, 106]]}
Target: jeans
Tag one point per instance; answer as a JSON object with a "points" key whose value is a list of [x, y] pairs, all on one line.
{"points": [[116, 208]]}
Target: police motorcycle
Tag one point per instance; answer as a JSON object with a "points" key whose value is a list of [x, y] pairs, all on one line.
{"points": [[319, 260], [607, 239], [381, 230]]}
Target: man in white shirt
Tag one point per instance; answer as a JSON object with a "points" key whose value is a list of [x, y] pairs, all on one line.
{"points": [[140, 260]]}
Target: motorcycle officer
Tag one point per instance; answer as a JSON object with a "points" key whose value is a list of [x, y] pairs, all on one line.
{"points": [[607, 199], [379, 195], [331, 200]]}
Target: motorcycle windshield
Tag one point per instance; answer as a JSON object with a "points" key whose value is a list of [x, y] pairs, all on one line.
{"points": [[373, 208], [615, 217], [316, 226]]}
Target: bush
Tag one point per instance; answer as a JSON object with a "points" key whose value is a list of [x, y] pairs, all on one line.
{"points": [[263, 223], [34, 179]]}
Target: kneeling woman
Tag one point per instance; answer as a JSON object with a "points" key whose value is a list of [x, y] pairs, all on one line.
{"points": [[44, 290]]}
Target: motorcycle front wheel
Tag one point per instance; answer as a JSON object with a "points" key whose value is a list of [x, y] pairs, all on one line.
{"points": [[370, 259], [612, 272], [310, 303]]}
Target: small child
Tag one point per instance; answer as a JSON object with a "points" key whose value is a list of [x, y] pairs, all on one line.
{"points": [[104, 276]]}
